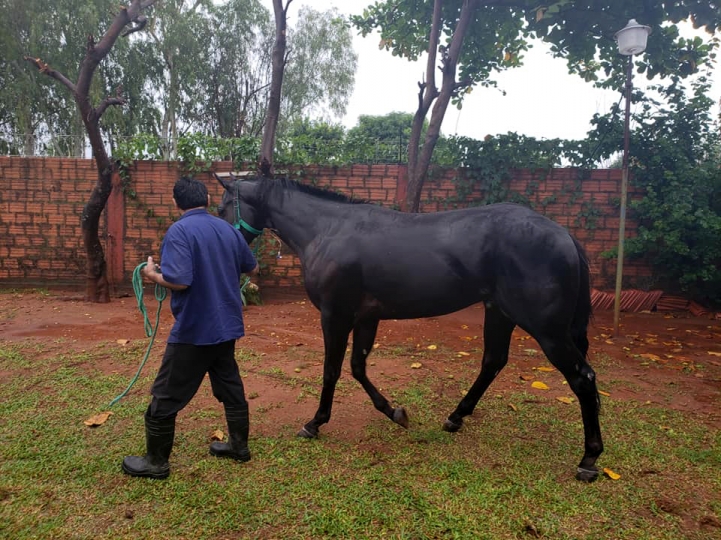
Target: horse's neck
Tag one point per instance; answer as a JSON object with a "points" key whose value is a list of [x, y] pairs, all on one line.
{"points": [[300, 218]]}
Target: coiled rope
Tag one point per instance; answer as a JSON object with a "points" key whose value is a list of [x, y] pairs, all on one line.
{"points": [[160, 294]]}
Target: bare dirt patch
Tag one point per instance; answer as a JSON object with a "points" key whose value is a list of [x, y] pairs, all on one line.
{"points": [[672, 360]]}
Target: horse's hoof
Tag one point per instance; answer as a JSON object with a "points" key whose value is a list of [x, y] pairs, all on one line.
{"points": [[451, 426], [400, 417], [586, 475], [305, 433]]}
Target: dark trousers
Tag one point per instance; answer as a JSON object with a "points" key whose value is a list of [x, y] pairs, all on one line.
{"points": [[182, 370]]}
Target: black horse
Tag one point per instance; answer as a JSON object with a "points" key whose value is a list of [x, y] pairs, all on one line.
{"points": [[363, 263]]}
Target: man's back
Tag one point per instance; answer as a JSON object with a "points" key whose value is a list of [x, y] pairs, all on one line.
{"points": [[208, 255]]}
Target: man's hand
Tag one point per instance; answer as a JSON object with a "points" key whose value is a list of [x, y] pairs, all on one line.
{"points": [[151, 271]]}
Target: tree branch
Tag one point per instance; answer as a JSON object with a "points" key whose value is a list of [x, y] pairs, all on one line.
{"points": [[107, 102], [461, 84], [50, 72], [140, 24], [433, 47]]}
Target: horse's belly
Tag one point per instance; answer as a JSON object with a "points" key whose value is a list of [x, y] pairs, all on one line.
{"points": [[418, 304]]}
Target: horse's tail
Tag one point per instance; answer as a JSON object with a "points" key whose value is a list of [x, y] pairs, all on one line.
{"points": [[582, 313]]}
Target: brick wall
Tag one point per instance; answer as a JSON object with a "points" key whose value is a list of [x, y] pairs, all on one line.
{"points": [[41, 200]]}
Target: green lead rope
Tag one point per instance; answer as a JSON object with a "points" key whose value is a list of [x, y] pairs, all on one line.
{"points": [[160, 294]]}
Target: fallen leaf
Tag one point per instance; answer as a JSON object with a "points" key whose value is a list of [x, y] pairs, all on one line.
{"points": [[512, 407], [714, 353], [98, 419], [464, 327], [217, 435], [544, 368], [416, 365], [612, 475], [604, 393], [609, 341], [564, 399], [463, 353], [526, 377], [432, 347], [122, 341], [539, 385], [650, 356], [530, 351], [297, 370]]}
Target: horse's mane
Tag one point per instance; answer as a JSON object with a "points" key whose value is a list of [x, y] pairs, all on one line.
{"points": [[286, 184]]}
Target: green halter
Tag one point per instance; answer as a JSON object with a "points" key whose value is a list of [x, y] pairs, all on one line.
{"points": [[239, 221]]}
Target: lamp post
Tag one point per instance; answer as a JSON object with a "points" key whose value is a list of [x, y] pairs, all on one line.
{"points": [[631, 40]]}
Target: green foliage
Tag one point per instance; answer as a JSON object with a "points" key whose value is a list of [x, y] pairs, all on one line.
{"points": [[498, 35], [199, 66], [320, 71], [391, 126], [677, 164], [33, 108], [490, 163]]}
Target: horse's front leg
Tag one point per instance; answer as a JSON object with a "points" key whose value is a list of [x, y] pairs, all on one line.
{"points": [[364, 335], [336, 328]]}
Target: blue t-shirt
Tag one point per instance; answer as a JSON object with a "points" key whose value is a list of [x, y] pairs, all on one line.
{"points": [[208, 255]]}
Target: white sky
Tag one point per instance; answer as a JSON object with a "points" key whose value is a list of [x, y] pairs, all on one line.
{"points": [[542, 100]]}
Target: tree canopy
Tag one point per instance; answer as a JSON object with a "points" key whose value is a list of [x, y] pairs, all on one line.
{"points": [[200, 66], [467, 42]]}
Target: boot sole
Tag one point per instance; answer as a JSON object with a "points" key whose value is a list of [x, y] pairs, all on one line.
{"points": [[237, 457], [145, 474]]}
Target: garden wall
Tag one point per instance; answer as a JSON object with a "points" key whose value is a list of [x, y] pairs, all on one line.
{"points": [[41, 200]]}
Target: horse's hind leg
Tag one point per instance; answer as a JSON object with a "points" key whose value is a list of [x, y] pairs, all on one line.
{"points": [[582, 379], [364, 335], [336, 329], [497, 330]]}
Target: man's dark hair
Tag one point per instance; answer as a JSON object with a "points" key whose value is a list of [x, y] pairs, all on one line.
{"points": [[190, 193]]}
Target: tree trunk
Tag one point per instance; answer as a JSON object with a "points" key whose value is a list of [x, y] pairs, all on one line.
{"points": [[76, 143], [96, 285], [96, 271], [276, 85], [29, 142], [419, 158]]}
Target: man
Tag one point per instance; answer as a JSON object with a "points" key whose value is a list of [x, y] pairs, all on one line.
{"points": [[202, 259]]}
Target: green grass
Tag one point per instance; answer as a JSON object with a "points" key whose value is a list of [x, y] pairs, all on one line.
{"points": [[507, 475]]}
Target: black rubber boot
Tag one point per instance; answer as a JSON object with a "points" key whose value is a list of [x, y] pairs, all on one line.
{"points": [[159, 435], [238, 427]]}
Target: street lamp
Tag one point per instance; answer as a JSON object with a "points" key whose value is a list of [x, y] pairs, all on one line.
{"points": [[631, 40]]}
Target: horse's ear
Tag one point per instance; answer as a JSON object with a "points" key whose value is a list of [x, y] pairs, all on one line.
{"points": [[227, 183]]}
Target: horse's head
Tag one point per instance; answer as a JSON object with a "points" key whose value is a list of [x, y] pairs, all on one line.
{"points": [[241, 207]]}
